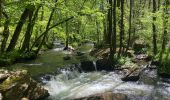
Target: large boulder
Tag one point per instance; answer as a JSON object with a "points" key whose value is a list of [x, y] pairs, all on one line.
{"points": [[140, 46], [16, 85], [87, 66], [132, 75], [131, 72], [106, 96], [104, 64]]}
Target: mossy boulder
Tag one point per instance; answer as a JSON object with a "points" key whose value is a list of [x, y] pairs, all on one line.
{"points": [[18, 84], [140, 46]]}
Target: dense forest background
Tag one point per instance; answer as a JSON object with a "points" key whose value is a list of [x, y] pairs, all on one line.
{"points": [[29, 26]]}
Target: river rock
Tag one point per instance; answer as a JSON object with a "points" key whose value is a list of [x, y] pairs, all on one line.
{"points": [[104, 64], [144, 57], [132, 75], [106, 96], [149, 76], [19, 84], [87, 66], [80, 53], [140, 46], [67, 57]]}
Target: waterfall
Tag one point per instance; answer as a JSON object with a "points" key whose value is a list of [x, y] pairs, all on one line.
{"points": [[94, 63]]}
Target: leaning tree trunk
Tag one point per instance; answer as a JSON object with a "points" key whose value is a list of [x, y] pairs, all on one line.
{"points": [[32, 19], [18, 29], [27, 33], [46, 31]]}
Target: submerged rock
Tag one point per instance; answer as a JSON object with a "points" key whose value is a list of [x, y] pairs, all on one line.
{"points": [[18, 85], [80, 53], [106, 96], [67, 57]]}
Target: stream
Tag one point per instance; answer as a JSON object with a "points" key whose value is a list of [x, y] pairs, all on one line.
{"points": [[71, 84]]}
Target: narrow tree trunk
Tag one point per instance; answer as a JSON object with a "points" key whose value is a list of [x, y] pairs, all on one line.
{"points": [[118, 3], [154, 29], [165, 24], [1, 10], [46, 31], [98, 32], [149, 5], [159, 4], [130, 25], [67, 36], [5, 32], [121, 27], [18, 29], [114, 28], [110, 30]]}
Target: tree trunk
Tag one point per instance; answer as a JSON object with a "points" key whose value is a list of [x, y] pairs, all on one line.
{"points": [[149, 5], [67, 36], [130, 25], [165, 24], [114, 28], [18, 29], [118, 3], [159, 4], [110, 26], [121, 28], [5, 32], [26, 43], [154, 29], [27, 33], [46, 31], [1, 11]]}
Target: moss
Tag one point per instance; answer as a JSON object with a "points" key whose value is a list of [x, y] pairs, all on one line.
{"points": [[10, 81]]}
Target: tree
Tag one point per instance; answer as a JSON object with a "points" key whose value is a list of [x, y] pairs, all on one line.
{"points": [[110, 30], [6, 32], [114, 28], [130, 25], [165, 24], [121, 27], [28, 33], [154, 29], [18, 29]]}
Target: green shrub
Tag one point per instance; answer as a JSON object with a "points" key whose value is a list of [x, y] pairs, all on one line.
{"points": [[164, 66], [15, 56]]}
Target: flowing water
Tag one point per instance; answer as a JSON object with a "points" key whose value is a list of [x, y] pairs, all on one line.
{"points": [[71, 84]]}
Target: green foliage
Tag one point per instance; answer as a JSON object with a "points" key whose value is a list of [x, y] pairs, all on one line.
{"points": [[164, 59], [15, 56], [123, 60]]}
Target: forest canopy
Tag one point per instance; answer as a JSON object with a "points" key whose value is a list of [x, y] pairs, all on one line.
{"points": [[29, 26]]}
